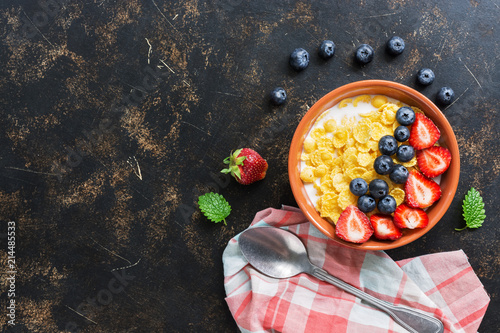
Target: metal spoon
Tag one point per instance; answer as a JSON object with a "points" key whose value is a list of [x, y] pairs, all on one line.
{"points": [[280, 254]]}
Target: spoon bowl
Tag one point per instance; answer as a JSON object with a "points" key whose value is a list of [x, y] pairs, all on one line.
{"points": [[275, 252]]}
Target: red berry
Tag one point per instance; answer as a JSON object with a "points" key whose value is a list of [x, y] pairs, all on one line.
{"points": [[421, 192], [410, 218], [246, 166], [353, 225], [423, 133], [433, 161], [384, 227]]}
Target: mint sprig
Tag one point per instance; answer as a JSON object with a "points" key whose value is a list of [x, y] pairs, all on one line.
{"points": [[214, 207], [473, 207]]}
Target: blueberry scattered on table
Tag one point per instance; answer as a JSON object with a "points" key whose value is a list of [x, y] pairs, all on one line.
{"points": [[425, 76], [405, 153], [445, 96], [388, 145], [299, 59], [278, 96], [364, 54], [405, 116], [402, 133], [399, 174], [326, 49], [378, 188], [358, 186], [383, 165], [387, 204], [395, 46]]}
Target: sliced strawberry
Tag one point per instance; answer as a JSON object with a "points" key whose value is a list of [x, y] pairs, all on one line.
{"points": [[423, 133], [384, 227], [421, 192], [433, 161], [353, 225], [411, 218]]}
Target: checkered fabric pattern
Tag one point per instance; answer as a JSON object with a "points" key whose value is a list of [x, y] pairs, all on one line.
{"points": [[443, 285]]}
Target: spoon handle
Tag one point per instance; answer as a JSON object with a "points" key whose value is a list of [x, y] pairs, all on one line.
{"points": [[410, 319]]}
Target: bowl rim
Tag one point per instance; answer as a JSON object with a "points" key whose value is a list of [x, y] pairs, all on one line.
{"points": [[406, 95]]}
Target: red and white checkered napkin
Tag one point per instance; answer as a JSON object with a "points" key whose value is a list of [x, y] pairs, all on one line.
{"points": [[442, 285]]}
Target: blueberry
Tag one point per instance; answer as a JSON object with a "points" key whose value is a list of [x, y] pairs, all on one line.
{"points": [[378, 188], [278, 96], [402, 133], [299, 59], [326, 49], [366, 203], [388, 145], [358, 186], [399, 174], [387, 204], [383, 165], [405, 116], [405, 153], [425, 76], [445, 96], [364, 54], [395, 46]]}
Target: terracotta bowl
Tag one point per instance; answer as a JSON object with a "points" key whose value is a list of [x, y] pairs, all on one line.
{"points": [[449, 179]]}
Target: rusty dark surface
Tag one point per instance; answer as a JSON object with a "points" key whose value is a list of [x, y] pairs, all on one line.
{"points": [[94, 91]]}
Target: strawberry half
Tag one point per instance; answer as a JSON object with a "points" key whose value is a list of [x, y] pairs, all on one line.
{"points": [[246, 166], [433, 161], [421, 192], [423, 133], [384, 227], [411, 218], [353, 225]]}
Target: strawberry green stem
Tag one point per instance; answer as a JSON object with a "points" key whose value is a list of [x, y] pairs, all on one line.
{"points": [[234, 162]]}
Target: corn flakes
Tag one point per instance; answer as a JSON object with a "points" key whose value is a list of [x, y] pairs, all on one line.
{"points": [[335, 153]]}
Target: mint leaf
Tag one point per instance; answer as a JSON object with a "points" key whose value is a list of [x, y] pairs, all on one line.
{"points": [[473, 207], [214, 207]]}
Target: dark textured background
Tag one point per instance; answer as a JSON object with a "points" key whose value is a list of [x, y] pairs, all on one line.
{"points": [[70, 152]]}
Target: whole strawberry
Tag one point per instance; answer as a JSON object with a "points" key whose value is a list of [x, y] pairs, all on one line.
{"points": [[246, 166]]}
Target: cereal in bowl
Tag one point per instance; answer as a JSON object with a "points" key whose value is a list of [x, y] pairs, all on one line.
{"points": [[342, 145]]}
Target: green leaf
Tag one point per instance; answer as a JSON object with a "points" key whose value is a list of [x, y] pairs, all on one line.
{"points": [[214, 207], [473, 207]]}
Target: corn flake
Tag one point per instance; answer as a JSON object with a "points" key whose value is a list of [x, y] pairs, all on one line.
{"points": [[346, 198], [362, 133], [320, 171], [362, 98], [356, 172], [379, 100], [307, 175], [398, 194], [340, 137], [330, 125], [344, 102], [309, 145], [364, 159], [318, 133]]}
